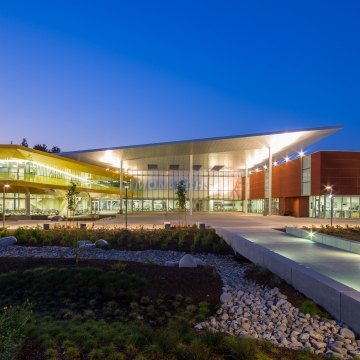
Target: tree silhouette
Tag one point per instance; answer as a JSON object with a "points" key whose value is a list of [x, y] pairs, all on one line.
{"points": [[55, 149], [24, 143], [41, 147], [181, 197]]}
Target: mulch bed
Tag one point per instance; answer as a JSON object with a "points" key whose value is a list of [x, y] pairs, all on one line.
{"points": [[201, 284]]}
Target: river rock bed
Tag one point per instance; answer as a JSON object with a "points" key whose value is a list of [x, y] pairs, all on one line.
{"points": [[247, 308]]}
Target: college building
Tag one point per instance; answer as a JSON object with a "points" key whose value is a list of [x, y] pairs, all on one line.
{"points": [[269, 173]]}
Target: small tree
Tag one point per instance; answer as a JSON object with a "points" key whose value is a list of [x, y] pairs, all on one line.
{"points": [[181, 197], [24, 142], [55, 149], [72, 198], [41, 147]]}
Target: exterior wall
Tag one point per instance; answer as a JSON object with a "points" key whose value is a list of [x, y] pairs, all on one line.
{"points": [[257, 185], [294, 206], [287, 179], [341, 170]]}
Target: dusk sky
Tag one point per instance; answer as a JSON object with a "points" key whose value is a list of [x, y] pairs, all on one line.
{"points": [[94, 74]]}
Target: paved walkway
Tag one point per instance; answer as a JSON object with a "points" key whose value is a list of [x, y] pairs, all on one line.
{"points": [[329, 276], [212, 219], [339, 265]]}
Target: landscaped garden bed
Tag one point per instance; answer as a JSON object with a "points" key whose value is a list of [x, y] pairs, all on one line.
{"points": [[92, 306], [346, 231], [188, 239], [112, 310]]}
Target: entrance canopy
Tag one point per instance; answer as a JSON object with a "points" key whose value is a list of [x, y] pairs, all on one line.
{"points": [[230, 153]]}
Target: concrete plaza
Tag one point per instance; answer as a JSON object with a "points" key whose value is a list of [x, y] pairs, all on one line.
{"points": [[220, 219]]}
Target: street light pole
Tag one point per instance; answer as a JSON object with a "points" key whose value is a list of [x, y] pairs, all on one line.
{"points": [[3, 203], [126, 203]]}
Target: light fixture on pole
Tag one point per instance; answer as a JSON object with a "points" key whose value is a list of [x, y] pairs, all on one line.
{"points": [[5, 186], [331, 197], [126, 184]]}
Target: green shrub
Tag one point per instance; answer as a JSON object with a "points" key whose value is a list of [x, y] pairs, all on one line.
{"points": [[182, 238], [51, 354], [241, 349], [96, 354], [3, 232], [13, 321], [71, 353], [310, 307]]}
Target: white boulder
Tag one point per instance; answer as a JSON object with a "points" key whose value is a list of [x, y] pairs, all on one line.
{"points": [[187, 261], [102, 244]]}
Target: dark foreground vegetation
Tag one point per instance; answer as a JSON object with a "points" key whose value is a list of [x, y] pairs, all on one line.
{"points": [[112, 310], [189, 239]]}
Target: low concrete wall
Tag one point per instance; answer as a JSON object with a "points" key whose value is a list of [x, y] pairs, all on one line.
{"points": [[336, 242], [339, 300]]}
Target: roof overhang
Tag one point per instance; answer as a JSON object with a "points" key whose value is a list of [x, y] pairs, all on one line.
{"points": [[228, 153]]}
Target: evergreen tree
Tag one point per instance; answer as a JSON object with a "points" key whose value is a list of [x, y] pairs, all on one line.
{"points": [[55, 149], [24, 142], [181, 197], [41, 147]]}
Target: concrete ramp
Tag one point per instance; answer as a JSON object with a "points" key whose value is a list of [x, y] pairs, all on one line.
{"points": [[329, 276]]}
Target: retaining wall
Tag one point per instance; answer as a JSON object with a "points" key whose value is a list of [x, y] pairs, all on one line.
{"points": [[339, 300], [336, 242]]}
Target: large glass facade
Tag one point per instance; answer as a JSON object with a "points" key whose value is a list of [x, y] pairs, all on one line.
{"points": [[34, 172], [344, 207], [149, 191], [154, 190]]}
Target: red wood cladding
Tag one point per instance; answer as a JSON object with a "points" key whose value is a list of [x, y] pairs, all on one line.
{"points": [[338, 168], [341, 169], [257, 185], [294, 206], [287, 179]]}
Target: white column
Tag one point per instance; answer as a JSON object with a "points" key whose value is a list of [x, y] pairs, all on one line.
{"points": [[167, 189], [191, 181], [121, 185], [247, 189], [27, 203], [270, 181]]}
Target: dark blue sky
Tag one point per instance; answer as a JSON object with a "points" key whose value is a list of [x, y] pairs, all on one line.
{"points": [[88, 74]]}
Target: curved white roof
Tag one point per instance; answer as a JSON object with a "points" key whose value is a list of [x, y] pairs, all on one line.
{"points": [[225, 153]]}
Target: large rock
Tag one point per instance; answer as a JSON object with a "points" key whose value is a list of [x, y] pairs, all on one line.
{"points": [[347, 334], [8, 241], [102, 244], [225, 298], [187, 261]]}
